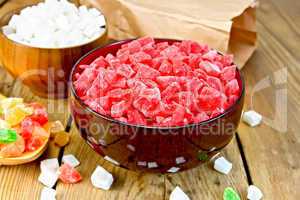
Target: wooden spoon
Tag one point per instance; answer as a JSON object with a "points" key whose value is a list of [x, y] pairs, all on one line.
{"points": [[26, 157]]}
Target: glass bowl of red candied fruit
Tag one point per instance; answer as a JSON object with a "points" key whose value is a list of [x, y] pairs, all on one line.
{"points": [[156, 105]]}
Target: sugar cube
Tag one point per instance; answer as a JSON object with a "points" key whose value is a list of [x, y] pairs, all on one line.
{"points": [[109, 159], [49, 165], [8, 30], [254, 193], [180, 160], [101, 178], [173, 169], [222, 165], [48, 194], [252, 118], [178, 194], [42, 25], [48, 178], [71, 160], [152, 165]]}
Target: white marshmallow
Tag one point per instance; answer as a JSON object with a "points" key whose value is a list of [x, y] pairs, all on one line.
{"points": [[48, 194], [173, 170], [109, 159], [51, 165], [71, 160], [254, 193], [252, 118], [178, 194], [48, 178], [222, 165], [101, 178]]}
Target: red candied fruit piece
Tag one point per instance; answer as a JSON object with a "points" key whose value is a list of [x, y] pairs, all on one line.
{"points": [[145, 41], [99, 86], [94, 105], [228, 73], [119, 94], [125, 70], [112, 60], [123, 55], [144, 71], [194, 85], [164, 81], [119, 109], [172, 89], [135, 117], [165, 68], [33, 143], [215, 83], [200, 117], [194, 60], [27, 126], [232, 99], [209, 99], [232, 87], [227, 60], [68, 174], [210, 68], [140, 57], [134, 46], [99, 62], [170, 52], [162, 45], [85, 80], [210, 55], [40, 114]]}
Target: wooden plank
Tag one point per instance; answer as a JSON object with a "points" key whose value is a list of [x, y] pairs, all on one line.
{"points": [[271, 151], [204, 183], [128, 185]]}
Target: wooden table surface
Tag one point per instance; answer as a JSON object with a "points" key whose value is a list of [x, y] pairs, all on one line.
{"points": [[267, 156]]}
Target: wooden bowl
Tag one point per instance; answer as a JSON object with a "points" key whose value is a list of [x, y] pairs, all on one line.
{"points": [[45, 70]]}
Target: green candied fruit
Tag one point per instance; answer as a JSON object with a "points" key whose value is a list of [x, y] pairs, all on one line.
{"points": [[202, 156], [230, 194], [7, 136]]}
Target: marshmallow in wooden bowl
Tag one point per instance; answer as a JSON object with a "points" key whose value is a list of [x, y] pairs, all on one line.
{"points": [[55, 24]]}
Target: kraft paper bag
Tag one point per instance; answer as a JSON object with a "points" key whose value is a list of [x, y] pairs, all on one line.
{"points": [[226, 25]]}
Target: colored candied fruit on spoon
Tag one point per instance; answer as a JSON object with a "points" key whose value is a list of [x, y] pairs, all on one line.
{"points": [[159, 84], [21, 127]]}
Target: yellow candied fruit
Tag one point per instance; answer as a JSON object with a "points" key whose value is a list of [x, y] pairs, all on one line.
{"points": [[62, 139], [14, 115], [4, 125], [7, 103]]}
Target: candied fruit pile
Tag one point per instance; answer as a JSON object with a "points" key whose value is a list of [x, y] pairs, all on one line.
{"points": [[159, 84], [21, 127]]}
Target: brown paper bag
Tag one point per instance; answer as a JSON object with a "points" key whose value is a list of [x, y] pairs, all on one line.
{"points": [[226, 25]]}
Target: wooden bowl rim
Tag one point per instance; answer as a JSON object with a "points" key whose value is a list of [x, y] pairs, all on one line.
{"points": [[17, 10]]}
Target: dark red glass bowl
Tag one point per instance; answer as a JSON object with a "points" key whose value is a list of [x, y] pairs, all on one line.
{"points": [[152, 149]]}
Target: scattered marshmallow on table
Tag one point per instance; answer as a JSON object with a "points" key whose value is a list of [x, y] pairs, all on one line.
{"points": [[55, 24], [48, 194], [222, 165], [254, 193], [71, 160], [178, 194], [101, 178], [252, 118]]}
